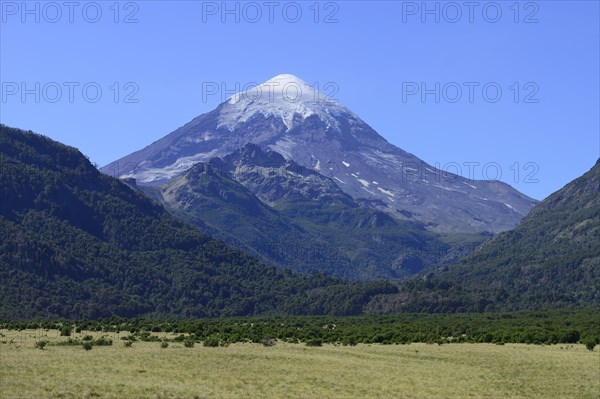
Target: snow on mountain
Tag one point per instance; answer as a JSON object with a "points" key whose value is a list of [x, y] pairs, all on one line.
{"points": [[289, 116], [286, 97]]}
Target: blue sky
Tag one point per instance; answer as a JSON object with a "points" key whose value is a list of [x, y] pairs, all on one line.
{"points": [[152, 61]]}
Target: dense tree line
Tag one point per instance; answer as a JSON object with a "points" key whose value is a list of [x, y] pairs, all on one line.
{"points": [[530, 327]]}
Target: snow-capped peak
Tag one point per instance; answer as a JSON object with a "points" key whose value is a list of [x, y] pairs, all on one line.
{"points": [[283, 96], [286, 78]]}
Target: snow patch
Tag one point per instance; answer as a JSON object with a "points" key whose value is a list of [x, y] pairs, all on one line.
{"points": [[168, 172], [363, 182], [284, 147], [444, 188], [200, 138], [469, 184], [346, 164], [387, 192], [390, 158]]}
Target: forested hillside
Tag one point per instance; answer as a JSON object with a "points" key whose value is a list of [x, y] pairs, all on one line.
{"points": [[76, 243], [551, 260]]}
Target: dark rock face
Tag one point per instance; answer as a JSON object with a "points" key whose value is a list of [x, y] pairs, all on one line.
{"points": [[268, 175], [320, 134]]}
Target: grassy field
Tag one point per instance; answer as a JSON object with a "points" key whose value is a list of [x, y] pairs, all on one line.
{"points": [[146, 370]]}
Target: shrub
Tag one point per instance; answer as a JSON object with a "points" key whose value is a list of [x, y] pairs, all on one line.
{"points": [[179, 338], [152, 338], [102, 341], [41, 344], [590, 344], [69, 342], [314, 342], [268, 341], [349, 341], [188, 343], [144, 335], [127, 344], [87, 345], [164, 344], [211, 342], [88, 338], [65, 331]]}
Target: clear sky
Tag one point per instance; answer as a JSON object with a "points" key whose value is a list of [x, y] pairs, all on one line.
{"points": [[514, 85]]}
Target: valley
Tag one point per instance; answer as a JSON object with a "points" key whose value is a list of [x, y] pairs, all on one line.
{"points": [[299, 201]]}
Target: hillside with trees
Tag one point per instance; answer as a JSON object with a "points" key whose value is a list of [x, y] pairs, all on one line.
{"points": [[551, 260], [76, 243]]}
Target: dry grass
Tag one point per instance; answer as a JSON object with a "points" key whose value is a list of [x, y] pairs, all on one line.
{"points": [[295, 371]]}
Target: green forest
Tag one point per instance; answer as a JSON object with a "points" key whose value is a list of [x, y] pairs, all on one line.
{"points": [[79, 244]]}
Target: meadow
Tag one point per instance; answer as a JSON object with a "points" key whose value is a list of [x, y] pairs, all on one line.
{"points": [[285, 370]]}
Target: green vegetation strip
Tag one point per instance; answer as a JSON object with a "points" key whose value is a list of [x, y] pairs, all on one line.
{"points": [[565, 326]]}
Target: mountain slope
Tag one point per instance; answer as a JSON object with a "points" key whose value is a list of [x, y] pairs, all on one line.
{"points": [[76, 243], [552, 259], [294, 217], [289, 116]]}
